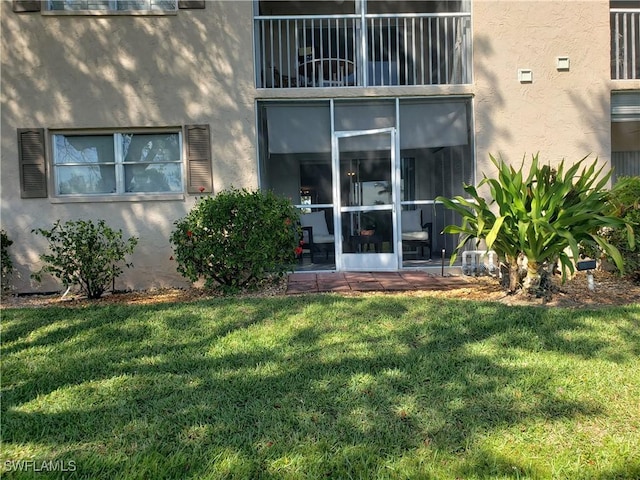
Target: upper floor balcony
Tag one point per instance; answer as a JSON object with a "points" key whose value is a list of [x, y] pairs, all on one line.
{"points": [[625, 40], [362, 44]]}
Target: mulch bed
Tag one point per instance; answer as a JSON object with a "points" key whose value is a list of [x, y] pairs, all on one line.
{"points": [[609, 290]]}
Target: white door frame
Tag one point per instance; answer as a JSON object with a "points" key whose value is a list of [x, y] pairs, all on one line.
{"points": [[369, 261]]}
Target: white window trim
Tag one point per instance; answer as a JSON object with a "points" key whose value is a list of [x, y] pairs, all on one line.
{"points": [[159, 197], [120, 195], [47, 10]]}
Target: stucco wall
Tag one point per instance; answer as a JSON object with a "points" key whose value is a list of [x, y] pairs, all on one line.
{"points": [[561, 114], [125, 71], [197, 67]]}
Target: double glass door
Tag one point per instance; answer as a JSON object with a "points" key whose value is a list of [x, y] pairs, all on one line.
{"points": [[365, 186]]}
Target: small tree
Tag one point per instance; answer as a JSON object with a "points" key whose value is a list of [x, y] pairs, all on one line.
{"points": [[85, 254], [542, 216], [7, 264], [236, 239]]}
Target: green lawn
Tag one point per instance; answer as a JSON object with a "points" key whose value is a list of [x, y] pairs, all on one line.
{"points": [[322, 386]]}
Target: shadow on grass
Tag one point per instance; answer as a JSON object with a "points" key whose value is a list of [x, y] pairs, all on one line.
{"points": [[323, 386]]}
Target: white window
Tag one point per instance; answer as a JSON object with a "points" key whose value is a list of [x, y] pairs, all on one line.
{"points": [[121, 163], [112, 5]]}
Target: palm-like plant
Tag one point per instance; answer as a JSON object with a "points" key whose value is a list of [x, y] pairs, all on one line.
{"points": [[543, 217]]}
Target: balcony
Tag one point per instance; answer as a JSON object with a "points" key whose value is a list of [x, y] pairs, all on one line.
{"points": [[362, 49], [625, 43]]}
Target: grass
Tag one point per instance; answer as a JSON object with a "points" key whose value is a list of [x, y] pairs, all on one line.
{"points": [[323, 386]]}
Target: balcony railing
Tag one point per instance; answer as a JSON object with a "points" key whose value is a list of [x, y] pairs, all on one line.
{"points": [[625, 43], [371, 50]]}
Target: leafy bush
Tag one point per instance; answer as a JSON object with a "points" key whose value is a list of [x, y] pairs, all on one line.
{"points": [[7, 264], [542, 216], [85, 254], [625, 198], [236, 239]]}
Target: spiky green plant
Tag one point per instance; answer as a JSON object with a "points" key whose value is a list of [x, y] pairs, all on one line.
{"points": [[625, 200], [542, 216]]}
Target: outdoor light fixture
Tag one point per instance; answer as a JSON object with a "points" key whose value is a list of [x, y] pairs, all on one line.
{"points": [[525, 75], [562, 63], [587, 265]]}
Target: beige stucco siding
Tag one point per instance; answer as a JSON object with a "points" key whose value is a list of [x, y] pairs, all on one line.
{"points": [[561, 114], [109, 72], [196, 67]]}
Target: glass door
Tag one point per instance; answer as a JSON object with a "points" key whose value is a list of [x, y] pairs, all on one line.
{"points": [[365, 180]]}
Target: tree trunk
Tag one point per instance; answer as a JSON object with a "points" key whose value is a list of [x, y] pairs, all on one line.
{"points": [[514, 277], [512, 282], [532, 281]]}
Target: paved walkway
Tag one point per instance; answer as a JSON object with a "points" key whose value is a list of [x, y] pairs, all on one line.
{"points": [[302, 282]]}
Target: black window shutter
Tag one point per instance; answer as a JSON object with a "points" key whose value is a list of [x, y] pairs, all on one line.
{"points": [[191, 4], [199, 169], [33, 167], [21, 6]]}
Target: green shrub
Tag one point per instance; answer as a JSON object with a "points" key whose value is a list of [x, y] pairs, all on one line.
{"points": [[236, 239], [625, 198], [542, 215], [7, 264], [85, 255]]}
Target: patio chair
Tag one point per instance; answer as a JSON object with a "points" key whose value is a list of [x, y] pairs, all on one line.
{"points": [[416, 234], [315, 233]]}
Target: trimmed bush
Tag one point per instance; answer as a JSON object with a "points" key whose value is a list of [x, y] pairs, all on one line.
{"points": [[7, 264], [237, 239], [85, 254], [625, 197]]}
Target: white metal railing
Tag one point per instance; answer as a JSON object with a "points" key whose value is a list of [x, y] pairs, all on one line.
{"points": [[625, 43], [368, 50]]}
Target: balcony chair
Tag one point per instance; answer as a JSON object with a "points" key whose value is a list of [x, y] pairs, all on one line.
{"points": [[326, 72], [416, 234], [315, 233]]}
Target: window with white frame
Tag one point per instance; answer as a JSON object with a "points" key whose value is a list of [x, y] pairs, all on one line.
{"points": [[119, 163], [112, 5]]}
